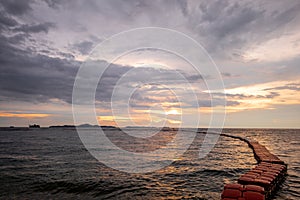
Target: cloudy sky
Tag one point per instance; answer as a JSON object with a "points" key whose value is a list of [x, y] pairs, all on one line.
{"points": [[254, 44]]}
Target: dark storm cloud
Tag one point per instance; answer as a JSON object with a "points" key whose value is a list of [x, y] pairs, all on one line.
{"points": [[224, 19], [223, 26], [53, 3], [232, 103], [293, 87], [108, 81], [20, 58], [17, 39], [243, 96], [35, 28], [16, 7], [183, 6], [217, 102], [30, 76], [65, 55], [27, 76], [144, 98], [14, 32], [195, 77], [207, 102], [139, 101], [272, 95], [6, 21], [39, 78], [84, 47], [226, 74], [283, 17], [158, 82], [150, 85], [35, 78], [161, 76], [228, 25]]}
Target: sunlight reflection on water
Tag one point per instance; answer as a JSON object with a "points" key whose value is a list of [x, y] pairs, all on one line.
{"points": [[54, 163]]}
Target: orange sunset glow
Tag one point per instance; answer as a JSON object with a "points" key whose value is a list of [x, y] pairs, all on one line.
{"points": [[23, 115]]}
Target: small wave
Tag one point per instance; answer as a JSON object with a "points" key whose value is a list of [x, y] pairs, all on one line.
{"points": [[101, 189], [66, 186], [213, 172]]}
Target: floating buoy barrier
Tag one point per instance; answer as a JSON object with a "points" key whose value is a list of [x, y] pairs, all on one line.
{"points": [[262, 154], [261, 182], [267, 175], [243, 192]]}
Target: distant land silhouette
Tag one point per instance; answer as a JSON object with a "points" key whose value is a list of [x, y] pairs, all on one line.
{"points": [[36, 126]]}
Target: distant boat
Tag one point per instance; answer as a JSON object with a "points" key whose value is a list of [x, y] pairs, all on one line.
{"points": [[34, 126], [165, 128]]}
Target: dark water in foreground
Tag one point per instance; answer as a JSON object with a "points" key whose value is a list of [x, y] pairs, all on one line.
{"points": [[53, 163]]}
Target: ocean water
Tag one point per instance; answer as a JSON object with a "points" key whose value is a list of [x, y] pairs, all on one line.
{"points": [[54, 164]]}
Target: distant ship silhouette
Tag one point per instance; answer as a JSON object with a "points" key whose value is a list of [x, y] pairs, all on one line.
{"points": [[34, 126]]}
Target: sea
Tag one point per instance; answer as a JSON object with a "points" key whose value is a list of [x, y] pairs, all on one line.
{"points": [[53, 163]]}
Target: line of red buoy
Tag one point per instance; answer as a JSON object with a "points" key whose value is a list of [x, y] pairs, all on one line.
{"points": [[261, 182]]}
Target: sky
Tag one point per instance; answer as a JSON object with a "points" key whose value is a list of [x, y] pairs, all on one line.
{"points": [[255, 46]]}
